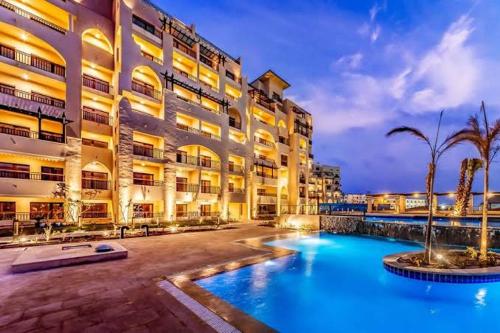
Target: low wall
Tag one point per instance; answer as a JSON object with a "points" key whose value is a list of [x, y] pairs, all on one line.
{"points": [[299, 222], [452, 235]]}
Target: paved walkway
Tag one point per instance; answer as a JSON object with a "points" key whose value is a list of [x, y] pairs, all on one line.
{"points": [[117, 296]]}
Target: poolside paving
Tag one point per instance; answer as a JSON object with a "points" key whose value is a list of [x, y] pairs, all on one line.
{"points": [[117, 296]]}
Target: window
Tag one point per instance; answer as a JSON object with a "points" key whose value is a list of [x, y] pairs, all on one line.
{"points": [[205, 161], [205, 186], [143, 179], [143, 149], [95, 180], [143, 210], [7, 210], [284, 160], [231, 166], [230, 75], [230, 187], [53, 174], [181, 210], [181, 184], [95, 210], [205, 210], [46, 210], [146, 26], [181, 156], [12, 170]]}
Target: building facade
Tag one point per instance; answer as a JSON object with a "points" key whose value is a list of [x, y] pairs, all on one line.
{"points": [[115, 110], [324, 184]]}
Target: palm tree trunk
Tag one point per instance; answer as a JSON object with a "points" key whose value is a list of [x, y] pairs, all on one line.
{"points": [[484, 222], [428, 233]]}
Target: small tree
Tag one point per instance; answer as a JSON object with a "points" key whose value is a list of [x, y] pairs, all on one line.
{"points": [[484, 137], [468, 169], [436, 151]]}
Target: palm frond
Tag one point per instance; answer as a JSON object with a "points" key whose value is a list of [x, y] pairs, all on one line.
{"points": [[495, 131], [410, 130]]}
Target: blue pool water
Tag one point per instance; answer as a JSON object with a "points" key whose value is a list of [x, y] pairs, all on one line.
{"points": [[456, 221], [337, 284]]}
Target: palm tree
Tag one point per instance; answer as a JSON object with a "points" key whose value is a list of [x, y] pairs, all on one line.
{"points": [[485, 139], [468, 169], [436, 152]]}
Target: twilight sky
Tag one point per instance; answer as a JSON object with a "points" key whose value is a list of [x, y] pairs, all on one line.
{"points": [[362, 67]]}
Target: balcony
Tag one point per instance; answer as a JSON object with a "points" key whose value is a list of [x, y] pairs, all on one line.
{"points": [[32, 60], [31, 96], [261, 99], [152, 57], [264, 142], [198, 131], [238, 169], [148, 182], [233, 77], [197, 161], [146, 89], [210, 189], [184, 48], [96, 84], [19, 183], [147, 27], [96, 116], [31, 16], [283, 140], [185, 74], [31, 175], [42, 135], [209, 86], [188, 188], [140, 150], [209, 62], [234, 123], [95, 184]]}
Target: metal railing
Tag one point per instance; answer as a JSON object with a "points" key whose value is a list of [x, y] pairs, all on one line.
{"points": [[96, 116], [31, 96], [31, 175], [236, 168], [151, 57], [145, 89], [148, 152], [185, 74], [96, 84], [197, 161], [266, 175], [185, 187], [148, 182], [180, 46], [32, 60], [31, 16], [95, 184], [210, 189], [46, 136], [198, 131], [263, 141]]}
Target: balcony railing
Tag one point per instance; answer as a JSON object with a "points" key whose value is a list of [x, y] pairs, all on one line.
{"points": [[184, 187], [152, 57], [198, 131], [185, 74], [209, 62], [46, 136], [31, 16], [267, 194], [148, 152], [179, 46], [96, 215], [148, 182], [96, 116], [209, 86], [263, 141], [210, 189], [147, 215], [236, 190], [146, 26], [96, 84], [266, 175], [31, 96], [197, 161], [236, 168], [32, 60], [145, 89], [95, 184], [233, 122], [261, 99], [31, 175]]}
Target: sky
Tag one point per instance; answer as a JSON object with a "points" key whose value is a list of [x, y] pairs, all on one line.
{"points": [[364, 67]]}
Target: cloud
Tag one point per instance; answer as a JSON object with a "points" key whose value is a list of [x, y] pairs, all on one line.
{"points": [[352, 61], [375, 9], [446, 75], [375, 33]]}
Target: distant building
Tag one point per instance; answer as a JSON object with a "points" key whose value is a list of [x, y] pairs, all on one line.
{"points": [[354, 198], [324, 184], [415, 203]]}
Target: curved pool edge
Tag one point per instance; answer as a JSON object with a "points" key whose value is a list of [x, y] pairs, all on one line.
{"points": [[440, 275]]}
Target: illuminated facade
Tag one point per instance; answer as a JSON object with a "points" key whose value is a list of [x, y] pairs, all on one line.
{"points": [[140, 118], [324, 184]]}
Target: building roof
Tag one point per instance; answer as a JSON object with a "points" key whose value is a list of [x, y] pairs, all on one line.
{"points": [[270, 74]]}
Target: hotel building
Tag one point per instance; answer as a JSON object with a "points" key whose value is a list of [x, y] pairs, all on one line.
{"points": [[324, 184], [122, 112]]}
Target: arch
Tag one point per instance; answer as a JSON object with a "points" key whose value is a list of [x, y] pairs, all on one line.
{"points": [[97, 38], [31, 44], [265, 135], [199, 149], [281, 124], [147, 75], [96, 166], [234, 113]]}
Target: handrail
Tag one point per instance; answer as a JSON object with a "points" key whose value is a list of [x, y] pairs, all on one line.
{"points": [[46, 136], [32, 96], [96, 84], [94, 115], [198, 131], [197, 161], [185, 187], [185, 74], [263, 141], [32, 60], [151, 57], [148, 182], [145, 89], [96, 184], [15, 174], [31, 16], [148, 152], [181, 47], [210, 189]]}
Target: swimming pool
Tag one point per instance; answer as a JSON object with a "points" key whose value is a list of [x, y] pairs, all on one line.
{"points": [[455, 221], [338, 284]]}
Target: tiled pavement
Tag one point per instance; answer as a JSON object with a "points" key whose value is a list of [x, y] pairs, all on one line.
{"points": [[117, 296]]}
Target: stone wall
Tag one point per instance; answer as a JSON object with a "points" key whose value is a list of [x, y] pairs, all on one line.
{"points": [[452, 235]]}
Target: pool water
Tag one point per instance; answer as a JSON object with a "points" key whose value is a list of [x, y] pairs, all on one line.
{"points": [[337, 283]]}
